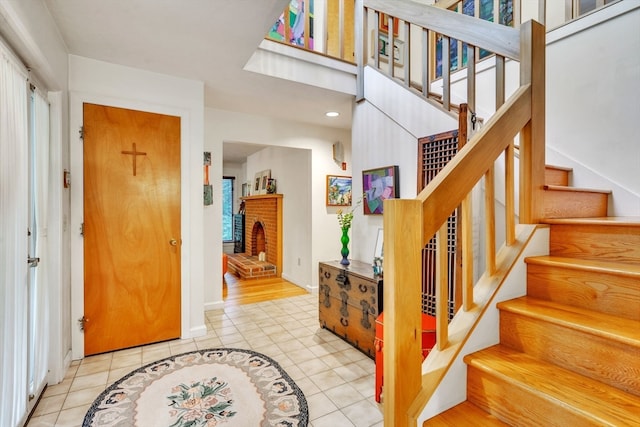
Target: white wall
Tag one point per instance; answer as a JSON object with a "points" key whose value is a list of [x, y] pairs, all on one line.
{"points": [[109, 84], [310, 231], [291, 168], [593, 102]]}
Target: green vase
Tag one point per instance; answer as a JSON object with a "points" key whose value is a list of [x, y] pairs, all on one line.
{"points": [[345, 246]]}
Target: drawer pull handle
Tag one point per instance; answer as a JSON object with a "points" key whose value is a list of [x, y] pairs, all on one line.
{"points": [[324, 290], [327, 275], [343, 281], [343, 307], [365, 314], [363, 288], [344, 322]]}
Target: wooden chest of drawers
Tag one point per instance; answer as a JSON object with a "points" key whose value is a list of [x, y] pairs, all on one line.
{"points": [[350, 299]]}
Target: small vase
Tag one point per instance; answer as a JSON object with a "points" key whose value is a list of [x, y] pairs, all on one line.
{"points": [[345, 248]]}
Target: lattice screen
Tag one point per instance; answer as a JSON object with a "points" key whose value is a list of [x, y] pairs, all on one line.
{"points": [[434, 153]]}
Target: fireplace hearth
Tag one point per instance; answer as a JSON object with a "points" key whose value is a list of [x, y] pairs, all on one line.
{"points": [[263, 228]]}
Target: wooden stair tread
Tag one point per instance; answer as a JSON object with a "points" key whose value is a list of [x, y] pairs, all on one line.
{"points": [[574, 392], [632, 221], [464, 414], [561, 168], [626, 331], [597, 266], [575, 189]]}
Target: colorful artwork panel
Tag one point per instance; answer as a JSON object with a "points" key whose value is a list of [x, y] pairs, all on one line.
{"points": [[378, 185]]}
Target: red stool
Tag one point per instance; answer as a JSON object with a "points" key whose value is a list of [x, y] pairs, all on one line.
{"points": [[428, 341]]}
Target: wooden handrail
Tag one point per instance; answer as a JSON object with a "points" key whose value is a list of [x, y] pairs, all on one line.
{"points": [[445, 192], [502, 40]]}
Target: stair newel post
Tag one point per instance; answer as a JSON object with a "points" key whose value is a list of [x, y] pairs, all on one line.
{"points": [[532, 136], [404, 240]]}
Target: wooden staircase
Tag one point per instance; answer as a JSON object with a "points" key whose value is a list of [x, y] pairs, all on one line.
{"points": [[569, 351]]}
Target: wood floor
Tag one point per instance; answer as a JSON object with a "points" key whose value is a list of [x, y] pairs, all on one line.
{"points": [[237, 291]]}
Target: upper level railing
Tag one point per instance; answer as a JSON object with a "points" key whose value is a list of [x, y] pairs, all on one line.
{"points": [[322, 26], [327, 26], [410, 223]]}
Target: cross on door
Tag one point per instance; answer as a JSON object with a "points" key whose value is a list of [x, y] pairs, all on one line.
{"points": [[135, 153]]}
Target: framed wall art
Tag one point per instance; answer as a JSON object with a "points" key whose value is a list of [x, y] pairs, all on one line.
{"points": [[384, 24], [338, 190], [208, 188], [384, 48], [378, 185], [260, 181]]}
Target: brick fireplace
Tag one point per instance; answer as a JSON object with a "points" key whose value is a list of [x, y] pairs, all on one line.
{"points": [[263, 233]]}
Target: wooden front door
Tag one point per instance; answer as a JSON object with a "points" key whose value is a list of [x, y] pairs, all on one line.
{"points": [[131, 228]]}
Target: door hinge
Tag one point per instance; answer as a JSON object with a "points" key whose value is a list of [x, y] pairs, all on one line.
{"points": [[82, 229], [81, 132], [83, 321]]}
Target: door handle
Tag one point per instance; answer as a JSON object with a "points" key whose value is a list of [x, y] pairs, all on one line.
{"points": [[33, 261], [173, 242]]}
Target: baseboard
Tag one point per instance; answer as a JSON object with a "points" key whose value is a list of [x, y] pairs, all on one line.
{"points": [[309, 288], [198, 331], [213, 305]]}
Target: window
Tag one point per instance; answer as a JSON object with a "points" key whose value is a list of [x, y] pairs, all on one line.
{"points": [[227, 208], [483, 9], [582, 7]]}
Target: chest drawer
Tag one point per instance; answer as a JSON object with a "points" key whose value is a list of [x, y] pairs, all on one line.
{"points": [[350, 299], [351, 286]]}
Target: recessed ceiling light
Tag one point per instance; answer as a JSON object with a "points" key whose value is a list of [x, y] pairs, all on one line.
{"points": [[332, 114]]}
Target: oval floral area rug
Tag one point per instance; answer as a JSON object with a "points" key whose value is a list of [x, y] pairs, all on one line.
{"points": [[216, 387]]}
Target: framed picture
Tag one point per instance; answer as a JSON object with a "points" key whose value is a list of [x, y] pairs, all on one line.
{"points": [[338, 190], [384, 48], [260, 181], [208, 188], [384, 24], [378, 185], [208, 195], [256, 185]]}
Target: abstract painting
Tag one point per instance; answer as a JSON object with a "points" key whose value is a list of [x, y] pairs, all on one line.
{"points": [[378, 185]]}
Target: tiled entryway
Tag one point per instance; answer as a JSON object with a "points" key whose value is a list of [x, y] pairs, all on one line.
{"points": [[337, 380]]}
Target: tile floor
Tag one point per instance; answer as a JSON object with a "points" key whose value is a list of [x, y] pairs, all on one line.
{"points": [[337, 380]]}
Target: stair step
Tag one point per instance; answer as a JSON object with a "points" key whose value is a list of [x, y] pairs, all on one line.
{"points": [[597, 345], [562, 202], [556, 175], [605, 286], [609, 238], [521, 390], [464, 414]]}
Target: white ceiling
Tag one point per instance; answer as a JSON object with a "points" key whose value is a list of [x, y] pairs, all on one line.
{"points": [[205, 40]]}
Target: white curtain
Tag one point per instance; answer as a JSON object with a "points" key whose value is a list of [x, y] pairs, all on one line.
{"points": [[13, 241], [39, 308]]}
